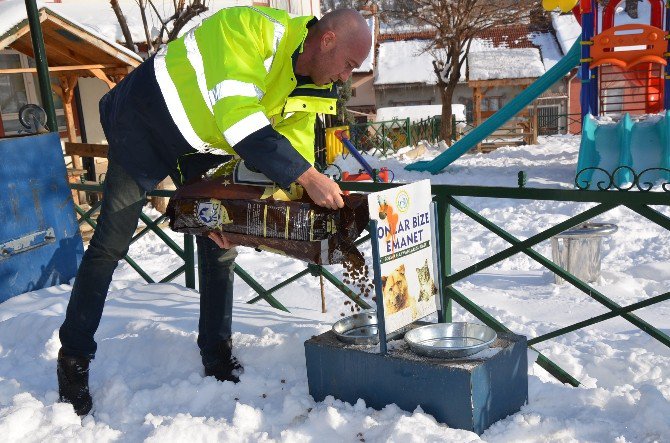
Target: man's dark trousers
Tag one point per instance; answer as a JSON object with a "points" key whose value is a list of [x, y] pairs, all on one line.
{"points": [[145, 146]]}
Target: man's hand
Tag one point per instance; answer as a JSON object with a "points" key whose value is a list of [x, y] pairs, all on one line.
{"points": [[220, 240], [321, 189]]}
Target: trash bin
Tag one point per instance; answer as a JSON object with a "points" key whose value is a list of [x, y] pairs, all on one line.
{"points": [[577, 250]]}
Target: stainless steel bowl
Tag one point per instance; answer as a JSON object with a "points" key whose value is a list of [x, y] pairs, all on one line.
{"points": [[450, 340], [359, 329]]}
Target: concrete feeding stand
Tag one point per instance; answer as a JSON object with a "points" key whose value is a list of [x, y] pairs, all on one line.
{"points": [[469, 393]]}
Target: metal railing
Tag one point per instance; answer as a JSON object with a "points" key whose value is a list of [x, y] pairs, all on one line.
{"points": [[446, 198], [386, 137]]}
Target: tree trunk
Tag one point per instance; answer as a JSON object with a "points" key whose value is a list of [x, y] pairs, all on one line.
{"points": [[147, 34], [124, 25], [445, 124]]}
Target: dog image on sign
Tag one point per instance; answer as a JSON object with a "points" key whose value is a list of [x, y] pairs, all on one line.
{"points": [[403, 234]]}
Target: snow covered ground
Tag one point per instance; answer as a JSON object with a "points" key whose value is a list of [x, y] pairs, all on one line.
{"points": [[147, 382]]}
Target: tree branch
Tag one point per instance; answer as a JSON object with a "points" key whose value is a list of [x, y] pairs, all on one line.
{"points": [[124, 24]]}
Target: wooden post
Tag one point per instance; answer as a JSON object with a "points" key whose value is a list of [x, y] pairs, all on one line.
{"points": [[534, 126], [323, 294], [477, 104], [67, 84]]}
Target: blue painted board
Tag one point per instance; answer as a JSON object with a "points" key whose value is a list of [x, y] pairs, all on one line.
{"points": [[40, 243]]}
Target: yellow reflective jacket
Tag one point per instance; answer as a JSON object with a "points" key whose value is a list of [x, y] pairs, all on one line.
{"points": [[233, 75]]}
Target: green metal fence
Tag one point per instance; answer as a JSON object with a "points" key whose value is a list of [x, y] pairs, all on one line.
{"points": [[447, 197], [386, 137], [381, 138]]}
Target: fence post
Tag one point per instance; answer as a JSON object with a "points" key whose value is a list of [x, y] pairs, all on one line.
{"points": [[444, 251], [454, 134], [408, 131], [189, 261]]}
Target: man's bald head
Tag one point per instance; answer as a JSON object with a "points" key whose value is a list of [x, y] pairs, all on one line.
{"points": [[344, 23], [335, 45]]}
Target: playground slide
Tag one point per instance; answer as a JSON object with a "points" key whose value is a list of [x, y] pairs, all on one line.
{"points": [[634, 146], [560, 69]]}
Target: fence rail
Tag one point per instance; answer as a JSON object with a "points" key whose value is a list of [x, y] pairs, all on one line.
{"points": [[446, 198], [386, 137]]}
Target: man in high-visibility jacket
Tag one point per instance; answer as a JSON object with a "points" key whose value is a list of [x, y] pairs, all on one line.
{"points": [[248, 81]]}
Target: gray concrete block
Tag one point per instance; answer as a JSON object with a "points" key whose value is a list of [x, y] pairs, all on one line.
{"points": [[468, 393]]}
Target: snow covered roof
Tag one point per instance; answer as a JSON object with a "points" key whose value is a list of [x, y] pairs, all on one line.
{"points": [[401, 62], [405, 61], [567, 28], [549, 48], [505, 63], [98, 15], [416, 113], [13, 16], [98, 18], [366, 66]]}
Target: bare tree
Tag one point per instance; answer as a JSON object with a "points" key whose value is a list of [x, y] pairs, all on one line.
{"points": [[125, 30], [456, 23], [630, 6], [168, 20]]}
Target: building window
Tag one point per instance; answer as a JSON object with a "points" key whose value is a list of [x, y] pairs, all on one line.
{"points": [[549, 120], [353, 92], [20, 89], [491, 104], [469, 109]]}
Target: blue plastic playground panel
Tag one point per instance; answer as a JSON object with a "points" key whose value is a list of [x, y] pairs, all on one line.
{"points": [[40, 243], [558, 71], [621, 148]]}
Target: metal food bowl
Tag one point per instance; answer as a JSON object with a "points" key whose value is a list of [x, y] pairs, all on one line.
{"points": [[450, 340], [359, 329]]}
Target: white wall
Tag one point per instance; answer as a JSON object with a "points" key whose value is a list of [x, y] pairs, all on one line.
{"points": [[365, 93], [297, 7], [91, 91]]}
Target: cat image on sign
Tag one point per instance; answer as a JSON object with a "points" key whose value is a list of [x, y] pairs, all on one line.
{"points": [[386, 213], [427, 286], [396, 292]]}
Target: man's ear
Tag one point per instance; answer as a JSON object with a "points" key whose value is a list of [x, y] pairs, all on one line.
{"points": [[328, 40]]}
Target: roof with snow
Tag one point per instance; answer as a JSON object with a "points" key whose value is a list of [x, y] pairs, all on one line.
{"points": [[568, 29], [14, 20], [366, 66], [505, 63], [67, 41], [517, 51], [403, 62]]}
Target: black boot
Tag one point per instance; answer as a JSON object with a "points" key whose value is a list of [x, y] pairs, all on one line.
{"points": [[73, 382], [227, 368]]}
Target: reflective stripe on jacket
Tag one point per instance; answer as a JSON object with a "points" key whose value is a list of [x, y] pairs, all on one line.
{"points": [[233, 75]]}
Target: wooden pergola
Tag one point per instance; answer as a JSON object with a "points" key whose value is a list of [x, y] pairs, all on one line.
{"points": [[480, 88], [73, 51]]}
